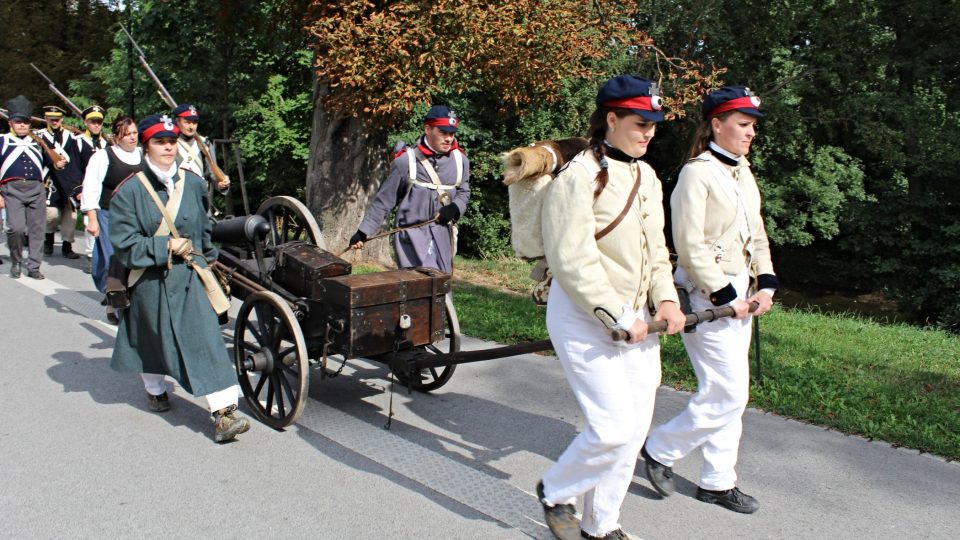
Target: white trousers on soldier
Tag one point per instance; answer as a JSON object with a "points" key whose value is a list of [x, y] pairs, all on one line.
{"points": [[156, 384], [615, 385], [713, 418]]}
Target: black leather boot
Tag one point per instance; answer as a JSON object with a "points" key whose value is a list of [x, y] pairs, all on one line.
{"points": [[48, 244], [68, 251]]}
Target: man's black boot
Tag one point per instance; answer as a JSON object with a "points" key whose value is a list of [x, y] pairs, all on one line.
{"points": [[48, 244], [68, 251], [15, 270]]}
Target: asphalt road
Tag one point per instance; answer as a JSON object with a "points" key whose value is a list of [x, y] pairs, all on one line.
{"points": [[84, 458]]}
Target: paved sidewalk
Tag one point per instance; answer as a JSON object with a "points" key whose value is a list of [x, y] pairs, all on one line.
{"points": [[84, 458]]}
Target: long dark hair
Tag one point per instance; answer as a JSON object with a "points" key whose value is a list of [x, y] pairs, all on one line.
{"points": [[704, 134], [596, 135]]}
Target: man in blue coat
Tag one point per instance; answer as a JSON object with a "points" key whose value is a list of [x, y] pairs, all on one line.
{"points": [[428, 180]]}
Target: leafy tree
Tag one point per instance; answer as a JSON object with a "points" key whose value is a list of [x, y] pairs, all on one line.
{"points": [[377, 62]]}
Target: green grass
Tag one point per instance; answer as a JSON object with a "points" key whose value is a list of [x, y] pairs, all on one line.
{"points": [[896, 383]]}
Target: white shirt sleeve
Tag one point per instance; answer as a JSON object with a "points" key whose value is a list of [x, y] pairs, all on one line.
{"points": [[93, 181]]}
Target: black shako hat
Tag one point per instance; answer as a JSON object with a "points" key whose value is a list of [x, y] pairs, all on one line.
{"points": [[19, 108], [731, 98], [442, 117], [638, 94]]}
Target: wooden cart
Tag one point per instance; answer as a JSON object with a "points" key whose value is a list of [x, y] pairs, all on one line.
{"points": [[302, 305]]}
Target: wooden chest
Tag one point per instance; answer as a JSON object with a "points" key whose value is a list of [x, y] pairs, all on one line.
{"points": [[370, 307], [300, 268]]}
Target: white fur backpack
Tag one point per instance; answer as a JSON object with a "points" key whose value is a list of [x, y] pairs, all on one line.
{"points": [[527, 173]]}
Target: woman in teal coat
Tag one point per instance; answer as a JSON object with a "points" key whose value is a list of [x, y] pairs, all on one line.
{"points": [[170, 328]]}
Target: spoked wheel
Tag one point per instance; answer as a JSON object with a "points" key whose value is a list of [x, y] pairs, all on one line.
{"points": [[432, 378], [271, 359], [290, 221]]}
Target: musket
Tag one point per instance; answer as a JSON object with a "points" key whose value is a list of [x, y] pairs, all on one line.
{"points": [[51, 153], [162, 90], [53, 88], [34, 119], [168, 99]]}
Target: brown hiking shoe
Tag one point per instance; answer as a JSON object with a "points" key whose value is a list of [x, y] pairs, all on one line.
{"points": [[159, 403], [561, 518], [229, 425]]}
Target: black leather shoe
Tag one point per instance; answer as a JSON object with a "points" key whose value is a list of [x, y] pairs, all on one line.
{"points": [[71, 254], [732, 499], [15, 270], [47, 249], [561, 518], [659, 475], [35, 274]]}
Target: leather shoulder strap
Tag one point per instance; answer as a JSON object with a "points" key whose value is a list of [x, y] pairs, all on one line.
{"points": [[633, 195]]}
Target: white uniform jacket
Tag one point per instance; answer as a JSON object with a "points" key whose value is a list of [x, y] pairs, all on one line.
{"points": [[630, 266], [717, 226]]}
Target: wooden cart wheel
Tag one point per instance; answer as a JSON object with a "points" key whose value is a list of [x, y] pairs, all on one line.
{"points": [[433, 378], [271, 359], [290, 221]]}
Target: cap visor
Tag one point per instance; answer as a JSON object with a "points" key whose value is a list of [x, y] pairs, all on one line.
{"points": [[751, 112], [652, 116], [448, 129]]}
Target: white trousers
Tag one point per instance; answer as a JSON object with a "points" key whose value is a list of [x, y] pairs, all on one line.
{"points": [[66, 218], [615, 385], [88, 239], [156, 384], [713, 418]]}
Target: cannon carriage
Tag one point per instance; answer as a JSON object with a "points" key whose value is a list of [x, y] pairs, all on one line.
{"points": [[302, 305]]}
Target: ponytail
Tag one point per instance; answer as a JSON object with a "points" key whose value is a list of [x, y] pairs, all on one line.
{"points": [[597, 134], [704, 134]]}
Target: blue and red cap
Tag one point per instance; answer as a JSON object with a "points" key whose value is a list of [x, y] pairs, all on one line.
{"points": [[187, 112], [442, 117], [731, 98], [639, 95], [157, 126]]}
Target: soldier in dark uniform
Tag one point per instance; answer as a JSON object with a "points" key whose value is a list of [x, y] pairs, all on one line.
{"points": [[88, 144], [22, 194], [428, 180], [62, 200]]}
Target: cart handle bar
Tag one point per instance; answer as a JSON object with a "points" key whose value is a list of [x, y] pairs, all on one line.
{"points": [[707, 315]]}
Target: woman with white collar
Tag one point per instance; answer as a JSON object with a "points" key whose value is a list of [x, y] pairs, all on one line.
{"points": [[170, 328], [105, 172], [604, 243], [724, 259]]}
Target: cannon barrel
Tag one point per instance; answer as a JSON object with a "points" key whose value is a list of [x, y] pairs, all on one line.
{"points": [[240, 230]]}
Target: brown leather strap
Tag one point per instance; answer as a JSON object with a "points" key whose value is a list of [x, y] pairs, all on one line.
{"points": [[633, 195]]}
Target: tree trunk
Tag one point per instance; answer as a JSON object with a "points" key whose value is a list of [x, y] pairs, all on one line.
{"points": [[348, 161]]}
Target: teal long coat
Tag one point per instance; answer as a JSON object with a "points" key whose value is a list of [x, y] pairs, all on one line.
{"points": [[170, 327]]}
